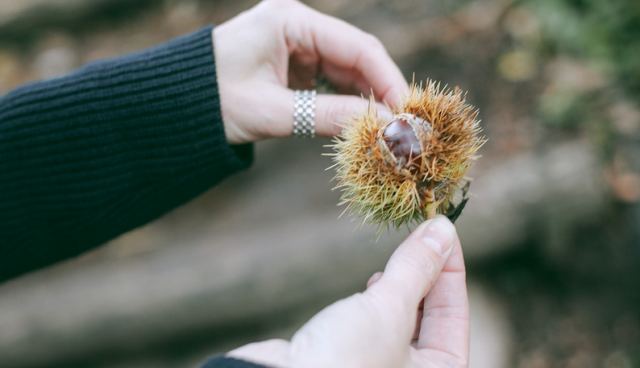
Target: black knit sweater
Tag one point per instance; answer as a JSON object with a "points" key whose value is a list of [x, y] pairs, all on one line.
{"points": [[91, 155]]}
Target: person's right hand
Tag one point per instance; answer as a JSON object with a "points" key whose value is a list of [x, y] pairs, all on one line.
{"points": [[388, 325], [280, 45]]}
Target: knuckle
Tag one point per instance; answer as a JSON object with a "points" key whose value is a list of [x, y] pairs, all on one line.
{"points": [[373, 41], [423, 263], [279, 2], [457, 361], [283, 4], [387, 296], [332, 113], [275, 343], [449, 360], [324, 115]]}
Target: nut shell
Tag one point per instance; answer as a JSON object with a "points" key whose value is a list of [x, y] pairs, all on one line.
{"points": [[403, 140]]}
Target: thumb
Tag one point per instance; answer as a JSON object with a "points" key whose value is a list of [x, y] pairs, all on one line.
{"points": [[333, 112], [416, 264]]}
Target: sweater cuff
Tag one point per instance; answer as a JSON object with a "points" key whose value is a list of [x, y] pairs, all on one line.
{"points": [[242, 154], [234, 157], [177, 82], [225, 362]]}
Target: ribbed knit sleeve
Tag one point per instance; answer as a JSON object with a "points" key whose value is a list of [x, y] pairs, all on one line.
{"points": [[224, 362], [89, 156]]}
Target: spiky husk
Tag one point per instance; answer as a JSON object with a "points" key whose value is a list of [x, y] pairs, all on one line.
{"points": [[376, 190]]}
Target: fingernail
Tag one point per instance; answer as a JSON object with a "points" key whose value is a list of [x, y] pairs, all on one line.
{"points": [[438, 234], [397, 95], [396, 100]]}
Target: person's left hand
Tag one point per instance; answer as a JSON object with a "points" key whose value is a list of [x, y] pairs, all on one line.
{"points": [[282, 44], [378, 328]]}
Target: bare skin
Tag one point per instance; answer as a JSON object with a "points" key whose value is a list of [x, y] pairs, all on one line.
{"points": [[282, 44], [389, 324], [415, 313]]}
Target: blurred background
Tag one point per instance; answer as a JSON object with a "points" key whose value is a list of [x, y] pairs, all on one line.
{"points": [[552, 234]]}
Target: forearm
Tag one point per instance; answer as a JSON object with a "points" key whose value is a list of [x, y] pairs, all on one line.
{"points": [[94, 154]]}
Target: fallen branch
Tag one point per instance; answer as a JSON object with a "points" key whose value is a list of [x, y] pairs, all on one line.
{"points": [[238, 270]]}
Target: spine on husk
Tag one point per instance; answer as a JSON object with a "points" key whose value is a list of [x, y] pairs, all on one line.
{"points": [[411, 167]]}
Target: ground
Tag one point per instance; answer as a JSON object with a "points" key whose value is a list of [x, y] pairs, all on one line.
{"points": [[558, 288]]}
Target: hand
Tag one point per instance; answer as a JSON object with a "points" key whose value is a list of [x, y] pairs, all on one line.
{"points": [[391, 324], [283, 43]]}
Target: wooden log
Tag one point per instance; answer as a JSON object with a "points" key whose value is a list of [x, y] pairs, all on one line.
{"points": [[273, 246], [21, 19]]}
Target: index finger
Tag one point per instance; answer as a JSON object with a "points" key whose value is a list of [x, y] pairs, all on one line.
{"points": [[348, 47]]}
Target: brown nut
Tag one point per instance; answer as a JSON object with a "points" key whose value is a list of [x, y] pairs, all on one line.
{"points": [[402, 140]]}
